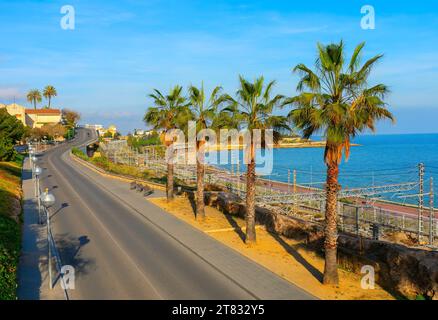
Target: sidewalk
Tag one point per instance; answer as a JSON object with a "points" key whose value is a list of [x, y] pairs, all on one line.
{"points": [[33, 282]]}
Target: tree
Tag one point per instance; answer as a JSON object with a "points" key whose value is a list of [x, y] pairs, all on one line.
{"points": [[49, 92], [336, 100], [11, 131], [36, 134], [205, 113], [54, 131], [253, 109], [70, 117], [34, 96], [166, 115], [108, 134], [10, 126], [7, 151]]}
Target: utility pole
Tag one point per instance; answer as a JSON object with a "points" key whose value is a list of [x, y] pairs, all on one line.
{"points": [[432, 212], [420, 200], [238, 176], [288, 180], [295, 207]]}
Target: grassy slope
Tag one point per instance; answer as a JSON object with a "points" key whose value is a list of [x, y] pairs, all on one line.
{"points": [[10, 231], [122, 169]]}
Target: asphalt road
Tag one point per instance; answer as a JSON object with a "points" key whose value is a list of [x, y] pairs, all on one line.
{"points": [[127, 248]]}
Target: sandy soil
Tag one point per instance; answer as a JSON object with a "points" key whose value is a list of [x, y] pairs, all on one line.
{"points": [[287, 258]]}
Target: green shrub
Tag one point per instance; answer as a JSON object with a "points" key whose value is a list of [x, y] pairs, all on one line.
{"points": [[9, 254], [10, 230], [7, 151], [78, 152]]}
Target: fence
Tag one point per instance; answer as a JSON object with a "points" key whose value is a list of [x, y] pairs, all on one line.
{"points": [[364, 218]]}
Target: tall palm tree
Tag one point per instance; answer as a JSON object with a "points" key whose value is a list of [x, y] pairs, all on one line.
{"points": [[205, 113], [34, 96], [336, 100], [166, 115], [49, 92], [253, 108]]}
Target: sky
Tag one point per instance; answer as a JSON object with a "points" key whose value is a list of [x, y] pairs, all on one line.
{"points": [[120, 50]]}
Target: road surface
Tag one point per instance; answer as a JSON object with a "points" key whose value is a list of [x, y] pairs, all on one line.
{"points": [[124, 247]]}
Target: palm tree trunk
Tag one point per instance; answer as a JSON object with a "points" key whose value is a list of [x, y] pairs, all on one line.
{"points": [[250, 199], [200, 206], [200, 171], [331, 228], [34, 104], [49, 103], [169, 187]]}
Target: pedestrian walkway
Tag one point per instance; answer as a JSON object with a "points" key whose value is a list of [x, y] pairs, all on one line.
{"points": [[33, 282]]}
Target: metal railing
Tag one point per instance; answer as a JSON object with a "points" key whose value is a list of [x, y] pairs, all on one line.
{"points": [[52, 251], [308, 204]]}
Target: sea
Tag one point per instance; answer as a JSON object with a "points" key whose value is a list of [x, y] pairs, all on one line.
{"points": [[378, 160]]}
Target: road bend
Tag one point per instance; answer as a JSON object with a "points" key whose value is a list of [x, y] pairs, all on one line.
{"points": [[123, 247]]}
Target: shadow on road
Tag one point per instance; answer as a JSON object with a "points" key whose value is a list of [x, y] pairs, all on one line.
{"points": [[69, 249], [64, 205]]}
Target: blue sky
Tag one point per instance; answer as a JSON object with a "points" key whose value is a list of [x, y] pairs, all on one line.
{"points": [[120, 50]]}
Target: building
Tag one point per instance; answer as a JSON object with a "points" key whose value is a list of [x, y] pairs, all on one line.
{"points": [[33, 118], [112, 129], [143, 133], [40, 117], [138, 132]]}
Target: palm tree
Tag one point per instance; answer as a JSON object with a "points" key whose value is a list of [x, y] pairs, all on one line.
{"points": [[166, 115], [205, 113], [49, 92], [253, 108], [336, 100], [34, 96]]}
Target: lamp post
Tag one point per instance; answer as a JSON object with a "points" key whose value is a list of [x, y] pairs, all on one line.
{"points": [[34, 160], [48, 200], [31, 154], [37, 173]]}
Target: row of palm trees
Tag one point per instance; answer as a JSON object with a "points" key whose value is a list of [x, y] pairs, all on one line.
{"points": [[333, 98], [34, 95]]}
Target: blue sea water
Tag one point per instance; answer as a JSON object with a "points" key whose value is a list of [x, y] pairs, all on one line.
{"points": [[379, 160]]}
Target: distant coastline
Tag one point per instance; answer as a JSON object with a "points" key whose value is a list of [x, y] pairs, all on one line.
{"points": [[281, 145]]}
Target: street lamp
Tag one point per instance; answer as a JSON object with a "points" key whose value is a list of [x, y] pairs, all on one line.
{"points": [[31, 154], [48, 200], [34, 160], [37, 172]]}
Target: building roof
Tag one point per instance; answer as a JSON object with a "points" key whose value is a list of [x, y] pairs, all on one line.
{"points": [[44, 111]]}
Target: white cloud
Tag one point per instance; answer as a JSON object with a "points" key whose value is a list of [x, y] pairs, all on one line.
{"points": [[9, 93]]}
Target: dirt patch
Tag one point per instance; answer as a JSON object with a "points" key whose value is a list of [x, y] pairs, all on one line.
{"points": [[289, 258]]}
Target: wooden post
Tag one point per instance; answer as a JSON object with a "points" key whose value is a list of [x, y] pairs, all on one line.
{"points": [[420, 200], [431, 213]]}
